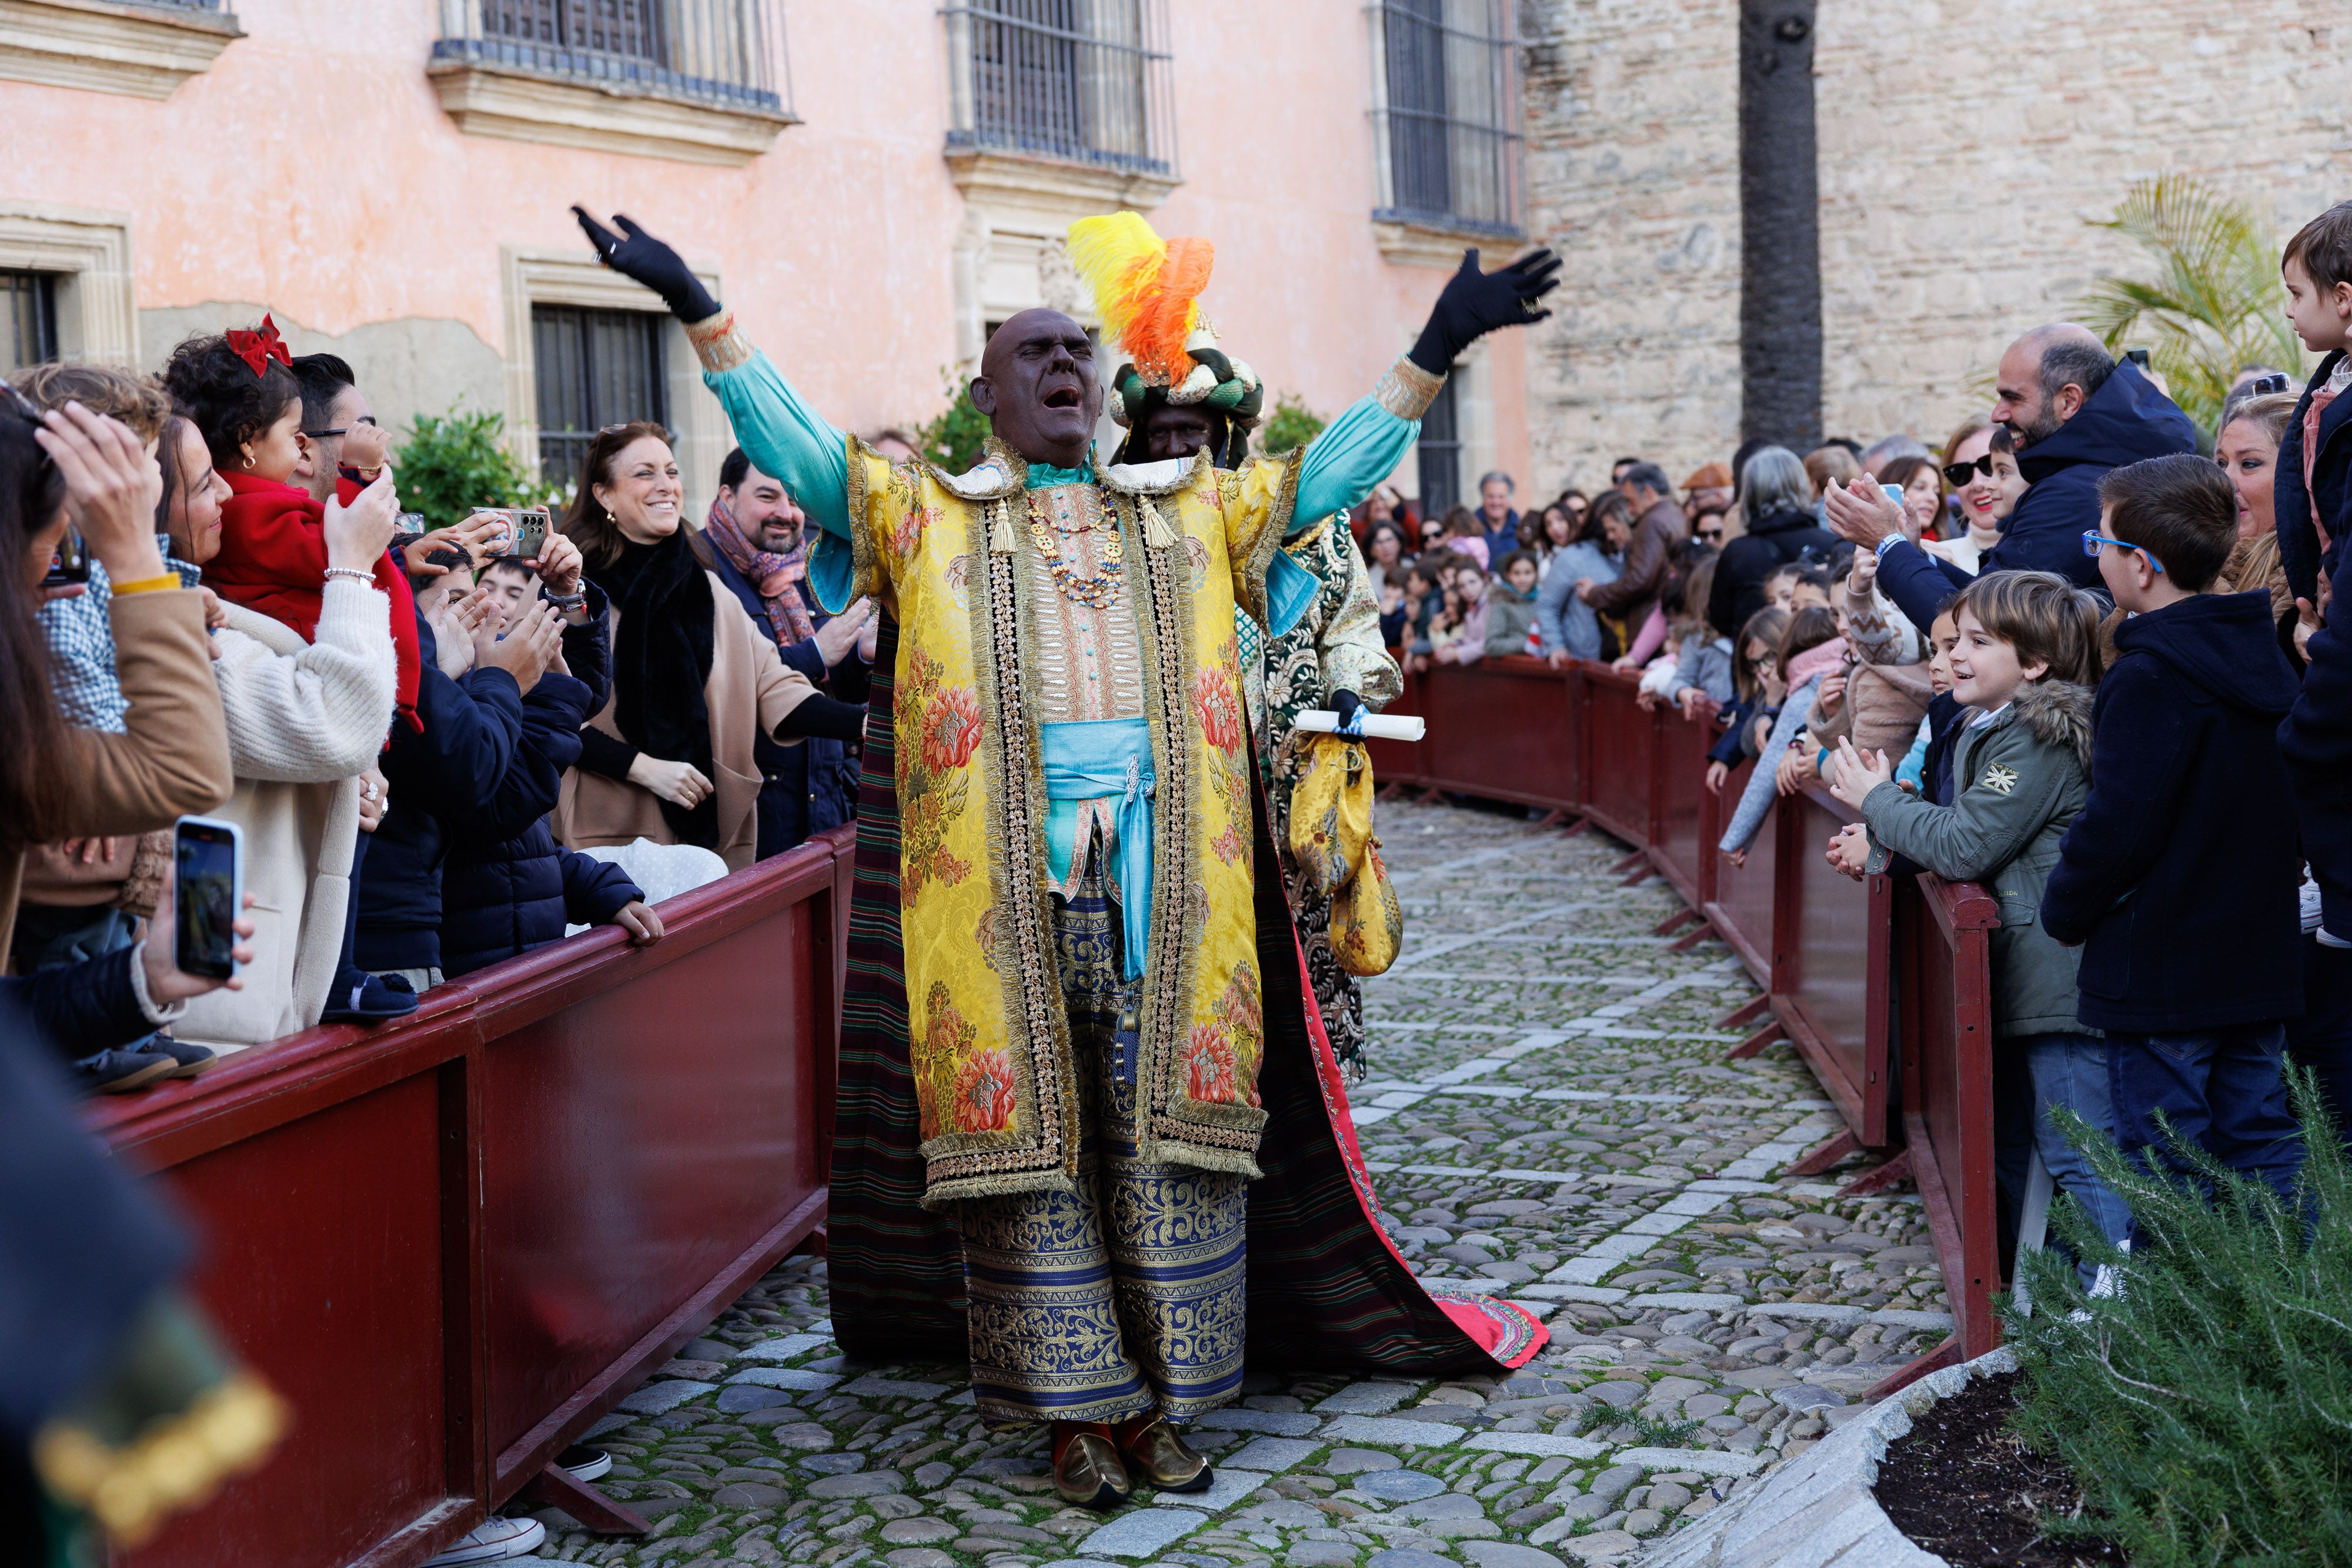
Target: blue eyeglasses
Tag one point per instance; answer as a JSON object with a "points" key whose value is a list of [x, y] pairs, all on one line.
{"points": [[2093, 540]]}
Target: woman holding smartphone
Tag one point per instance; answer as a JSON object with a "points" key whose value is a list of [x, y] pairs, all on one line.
{"points": [[72, 469]]}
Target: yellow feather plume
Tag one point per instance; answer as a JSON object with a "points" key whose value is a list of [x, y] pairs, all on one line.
{"points": [[1144, 289]]}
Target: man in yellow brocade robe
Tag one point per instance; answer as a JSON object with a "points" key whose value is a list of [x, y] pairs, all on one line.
{"points": [[1086, 1018]]}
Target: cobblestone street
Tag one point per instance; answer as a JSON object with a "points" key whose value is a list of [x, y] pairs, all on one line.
{"points": [[1550, 1120]]}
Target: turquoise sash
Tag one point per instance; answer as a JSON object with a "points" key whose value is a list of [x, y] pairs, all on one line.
{"points": [[1106, 759]]}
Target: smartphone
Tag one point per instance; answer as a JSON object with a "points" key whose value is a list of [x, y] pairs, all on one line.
{"points": [[526, 530], [208, 886], [1893, 493], [2137, 357], [69, 563]]}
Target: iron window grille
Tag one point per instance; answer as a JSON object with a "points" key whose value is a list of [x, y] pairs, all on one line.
{"points": [[1083, 81], [726, 54], [1445, 94], [30, 299], [592, 369], [1440, 452]]}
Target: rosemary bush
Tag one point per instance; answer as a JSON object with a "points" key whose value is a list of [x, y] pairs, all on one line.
{"points": [[2208, 1408]]}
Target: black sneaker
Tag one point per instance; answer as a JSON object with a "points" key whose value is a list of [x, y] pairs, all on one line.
{"points": [[114, 1071], [584, 1463], [192, 1060]]}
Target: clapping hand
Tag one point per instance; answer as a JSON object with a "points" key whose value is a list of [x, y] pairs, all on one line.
{"points": [[1858, 774], [845, 630], [1848, 851]]}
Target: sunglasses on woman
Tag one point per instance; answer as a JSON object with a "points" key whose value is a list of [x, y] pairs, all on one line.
{"points": [[1958, 473]]}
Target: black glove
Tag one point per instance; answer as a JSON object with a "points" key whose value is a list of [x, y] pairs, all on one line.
{"points": [[648, 261], [1474, 303], [1350, 710]]}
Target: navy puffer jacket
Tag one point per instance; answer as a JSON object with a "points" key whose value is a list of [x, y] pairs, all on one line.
{"points": [[509, 887]]}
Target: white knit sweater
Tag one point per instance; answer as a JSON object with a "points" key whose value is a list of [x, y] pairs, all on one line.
{"points": [[305, 719]]}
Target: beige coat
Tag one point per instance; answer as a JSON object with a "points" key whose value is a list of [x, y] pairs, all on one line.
{"points": [[305, 719], [170, 758], [750, 691]]}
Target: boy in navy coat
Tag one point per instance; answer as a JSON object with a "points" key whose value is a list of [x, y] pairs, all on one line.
{"points": [[2179, 877]]}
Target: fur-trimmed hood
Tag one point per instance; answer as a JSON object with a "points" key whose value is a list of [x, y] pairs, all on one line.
{"points": [[2059, 714]]}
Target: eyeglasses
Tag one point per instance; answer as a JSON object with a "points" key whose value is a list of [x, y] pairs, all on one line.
{"points": [[1712, 536], [2093, 540], [1958, 473], [339, 430]]}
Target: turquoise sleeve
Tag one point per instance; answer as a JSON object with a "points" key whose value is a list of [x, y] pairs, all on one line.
{"points": [[1354, 453], [788, 440]]}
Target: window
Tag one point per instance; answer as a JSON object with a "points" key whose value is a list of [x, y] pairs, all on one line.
{"points": [[1441, 452], [1084, 82], [594, 368], [722, 53], [31, 298], [1445, 88]]}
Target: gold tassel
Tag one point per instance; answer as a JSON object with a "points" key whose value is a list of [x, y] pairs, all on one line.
{"points": [[1000, 532], [1157, 534]]}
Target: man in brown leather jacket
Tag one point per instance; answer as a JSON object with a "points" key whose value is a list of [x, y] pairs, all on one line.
{"points": [[1660, 527]]}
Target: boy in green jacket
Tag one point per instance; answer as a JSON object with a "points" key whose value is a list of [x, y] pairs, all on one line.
{"points": [[2026, 660]]}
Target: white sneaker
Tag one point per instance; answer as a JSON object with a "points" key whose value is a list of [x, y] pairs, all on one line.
{"points": [[493, 1539]]}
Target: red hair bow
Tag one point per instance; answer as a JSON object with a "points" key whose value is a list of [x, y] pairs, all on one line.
{"points": [[257, 348]]}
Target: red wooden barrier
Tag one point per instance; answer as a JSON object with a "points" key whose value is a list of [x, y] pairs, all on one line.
{"points": [[1941, 931], [1832, 967], [1742, 908], [1500, 729], [454, 1242], [1683, 851], [1621, 745]]}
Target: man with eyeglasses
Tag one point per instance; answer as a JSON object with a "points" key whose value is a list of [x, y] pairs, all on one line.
{"points": [[2075, 414], [332, 405]]}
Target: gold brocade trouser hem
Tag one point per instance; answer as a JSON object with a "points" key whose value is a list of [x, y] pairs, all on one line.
{"points": [[1128, 1296]]}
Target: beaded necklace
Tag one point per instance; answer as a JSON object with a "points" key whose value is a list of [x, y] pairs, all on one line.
{"points": [[1099, 590]]}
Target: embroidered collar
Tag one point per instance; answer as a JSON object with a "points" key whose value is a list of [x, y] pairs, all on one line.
{"points": [[1045, 475]]}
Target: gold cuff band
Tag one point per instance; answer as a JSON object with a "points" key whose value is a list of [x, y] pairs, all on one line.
{"points": [[718, 344], [1407, 390]]}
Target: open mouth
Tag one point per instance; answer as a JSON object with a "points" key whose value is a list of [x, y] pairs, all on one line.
{"points": [[1064, 397]]}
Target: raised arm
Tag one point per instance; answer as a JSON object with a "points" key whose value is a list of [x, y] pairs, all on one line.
{"points": [[780, 433], [1361, 447]]}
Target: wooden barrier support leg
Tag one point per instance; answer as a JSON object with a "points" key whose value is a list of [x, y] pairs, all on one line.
{"points": [[1754, 1043], [1893, 1173], [1692, 937], [1674, 921], [1639, 857], [1430, 797], [1576, 827], [1745, 1013], [1827, 1154], [1947, 1353], [555, 1488], [1642, 873], [1550, 819]]}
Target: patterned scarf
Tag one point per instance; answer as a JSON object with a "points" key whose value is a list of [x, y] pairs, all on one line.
{"points": [[773, 576]]}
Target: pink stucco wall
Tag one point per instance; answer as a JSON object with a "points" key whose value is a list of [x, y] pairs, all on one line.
{"points": [[311, 169]]}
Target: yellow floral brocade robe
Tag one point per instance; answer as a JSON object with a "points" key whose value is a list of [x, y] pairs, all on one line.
{"points": [[987, 1030]]}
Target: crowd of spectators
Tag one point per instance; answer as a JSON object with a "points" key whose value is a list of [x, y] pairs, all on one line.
{"points": [[439, 750], [2080, 652]]}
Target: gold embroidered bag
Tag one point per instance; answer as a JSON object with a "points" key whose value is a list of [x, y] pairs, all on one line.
{"points": [[1367, 922], [1330, 812]]}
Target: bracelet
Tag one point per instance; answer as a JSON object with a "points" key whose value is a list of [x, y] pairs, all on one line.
{"points": [[365, 579], [146, 584], [572, 601]]}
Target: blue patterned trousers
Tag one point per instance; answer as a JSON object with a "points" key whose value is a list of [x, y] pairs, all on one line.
{"points": [[1128, 1296]]}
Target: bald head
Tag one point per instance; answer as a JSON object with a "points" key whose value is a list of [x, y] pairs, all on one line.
{"points": [[2046, 377], [1036, 385]]}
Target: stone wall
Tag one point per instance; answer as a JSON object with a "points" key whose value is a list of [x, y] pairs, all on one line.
{"points": [[1962, 148]]}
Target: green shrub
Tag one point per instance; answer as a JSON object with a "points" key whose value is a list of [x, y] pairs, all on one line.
{"points": [[1289, 426], [952, 440], [2208, 1408], [447, 467]]}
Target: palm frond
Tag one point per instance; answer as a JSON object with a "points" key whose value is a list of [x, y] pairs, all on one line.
{"points": [[2208, 302]]}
